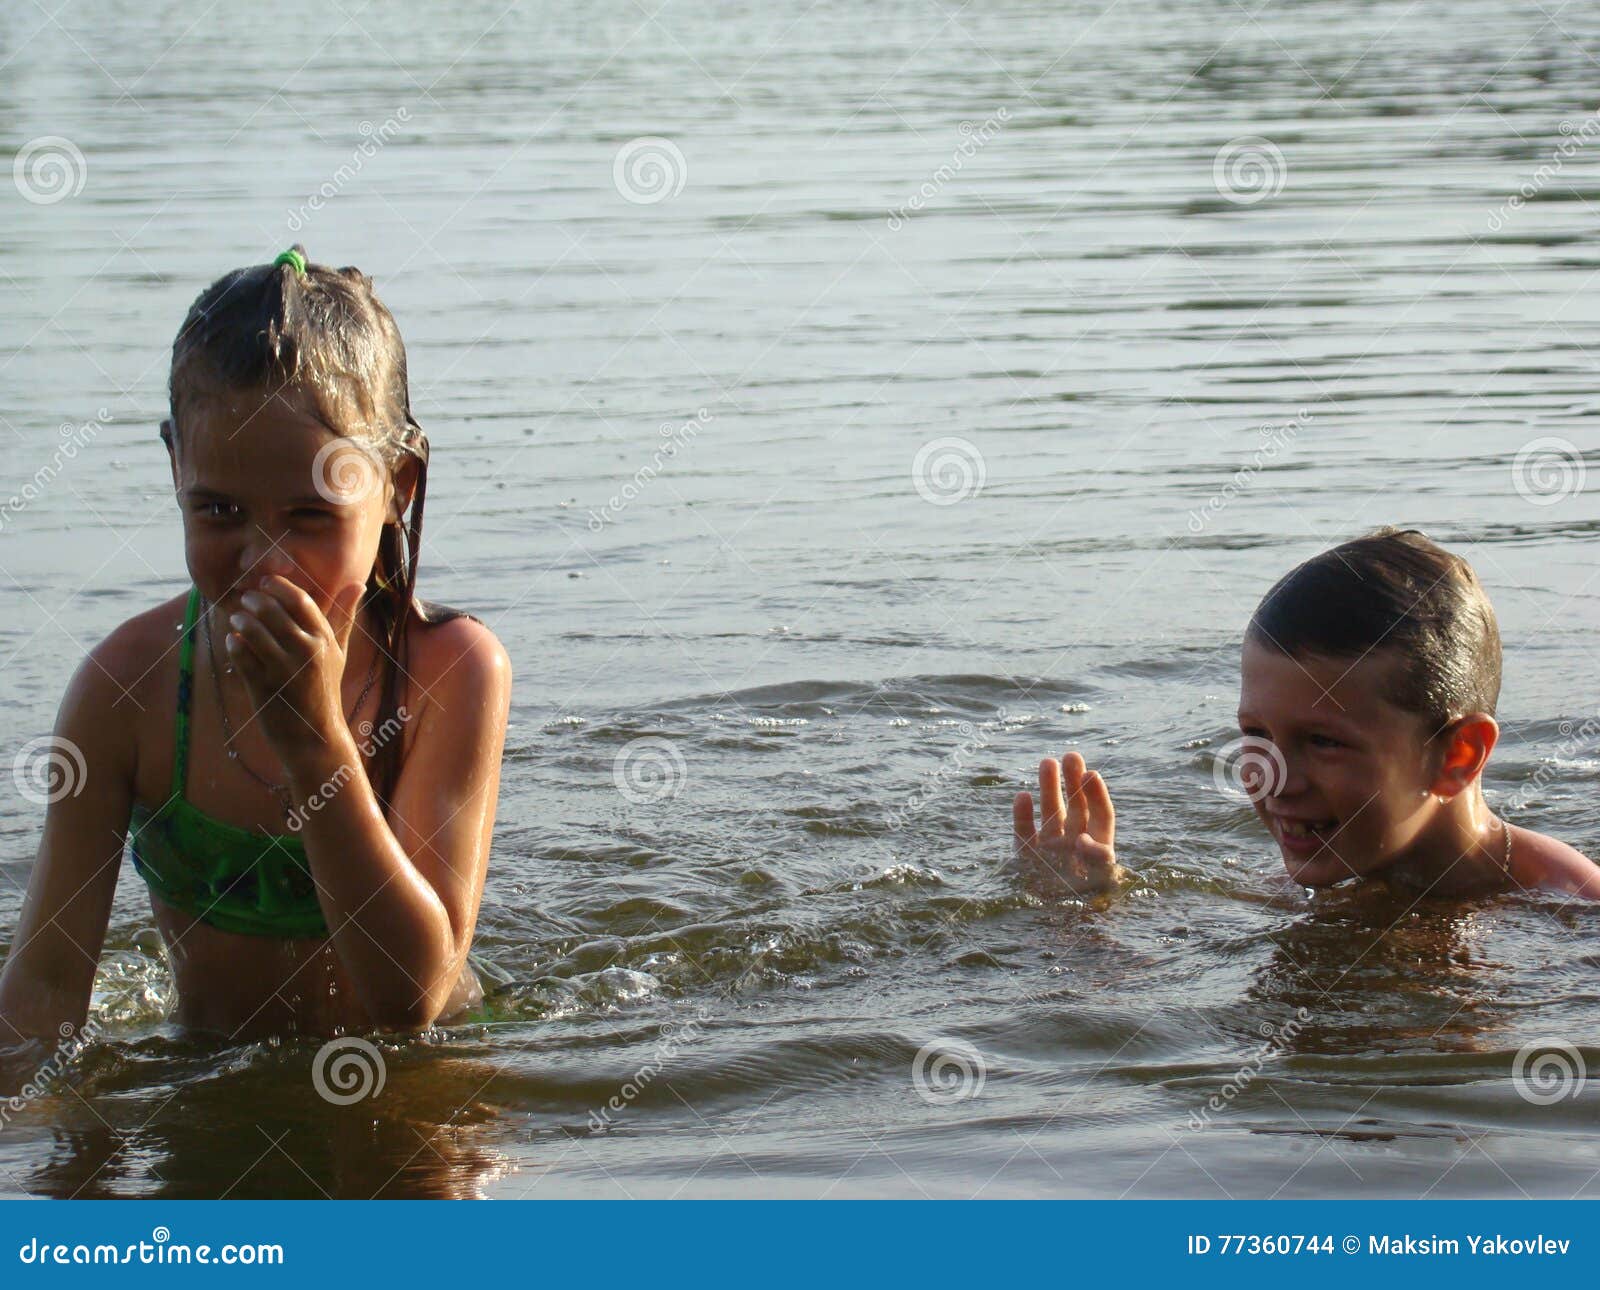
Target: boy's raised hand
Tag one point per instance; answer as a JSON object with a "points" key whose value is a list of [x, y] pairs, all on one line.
{"points": [[1071, 851]]}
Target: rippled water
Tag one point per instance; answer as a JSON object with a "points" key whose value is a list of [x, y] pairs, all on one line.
{"points": [[1119, 252]]}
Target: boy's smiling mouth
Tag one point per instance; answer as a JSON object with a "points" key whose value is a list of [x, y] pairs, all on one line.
{"points": [[1302, 835]]}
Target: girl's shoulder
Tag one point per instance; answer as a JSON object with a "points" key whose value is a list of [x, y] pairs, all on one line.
{"points": [[132, 663], [455, 647], [112, 702]]}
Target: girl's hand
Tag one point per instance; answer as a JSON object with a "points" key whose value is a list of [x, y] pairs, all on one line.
{"points": [[1071, 852], [291, 665]]}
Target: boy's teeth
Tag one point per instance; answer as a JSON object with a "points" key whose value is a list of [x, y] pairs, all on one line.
{"points": [[1298, 829]]}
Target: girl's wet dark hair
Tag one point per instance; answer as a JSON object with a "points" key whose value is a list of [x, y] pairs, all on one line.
{"points": [[323, 332], [1392, 589]]}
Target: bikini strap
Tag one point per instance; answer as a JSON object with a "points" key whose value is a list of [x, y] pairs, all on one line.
{"points": [[180, 757]]}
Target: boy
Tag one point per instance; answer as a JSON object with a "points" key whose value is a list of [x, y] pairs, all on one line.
{"points": [[1369, 680]]}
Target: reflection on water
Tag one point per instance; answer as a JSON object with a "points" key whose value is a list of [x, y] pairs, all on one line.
{"points": [[1006, 354]]}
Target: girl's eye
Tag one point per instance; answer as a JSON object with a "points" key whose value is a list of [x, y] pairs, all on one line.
{"points": [[310, 513], [216, 510], [1326, 741]]}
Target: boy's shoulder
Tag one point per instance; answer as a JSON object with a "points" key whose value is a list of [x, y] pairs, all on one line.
{"points": [[1543, 861]]}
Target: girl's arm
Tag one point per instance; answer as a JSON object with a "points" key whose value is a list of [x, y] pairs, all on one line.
{"points": [[50, 966], [400, 901]]}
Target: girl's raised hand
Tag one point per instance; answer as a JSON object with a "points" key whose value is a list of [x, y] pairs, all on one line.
{"points": [[1071, 851], [291, 664]]}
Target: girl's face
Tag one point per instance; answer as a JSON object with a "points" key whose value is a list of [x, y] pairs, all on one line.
{"points": [[1344, 787], [265, 487]]}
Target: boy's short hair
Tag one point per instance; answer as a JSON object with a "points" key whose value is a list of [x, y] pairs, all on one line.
{"points": [[1392, 589]]}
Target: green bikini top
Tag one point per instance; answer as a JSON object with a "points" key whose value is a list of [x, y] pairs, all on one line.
{"points": [[255, 884]]}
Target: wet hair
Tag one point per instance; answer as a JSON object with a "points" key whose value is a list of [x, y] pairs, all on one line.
{"points": [[1392, 589], [322, 332]]}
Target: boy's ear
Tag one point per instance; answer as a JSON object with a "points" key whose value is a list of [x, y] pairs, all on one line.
{"points": [[1467, 743]]}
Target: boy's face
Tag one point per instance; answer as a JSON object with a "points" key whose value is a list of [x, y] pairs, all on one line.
{"points": [[1347, 791]]}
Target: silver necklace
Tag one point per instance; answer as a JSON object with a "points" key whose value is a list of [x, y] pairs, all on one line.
{"points": [[280, 791]]}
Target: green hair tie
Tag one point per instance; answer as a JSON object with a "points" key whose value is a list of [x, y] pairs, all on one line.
{"points": [[294, 259]]}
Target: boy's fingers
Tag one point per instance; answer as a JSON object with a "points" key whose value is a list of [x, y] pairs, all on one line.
{"points": [[1077, 815], [1102, 815], [1022, 818], [1050, 804]]}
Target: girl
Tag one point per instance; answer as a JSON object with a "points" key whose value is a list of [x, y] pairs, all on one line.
{"points": [[1369, 680], [307, 756]]}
